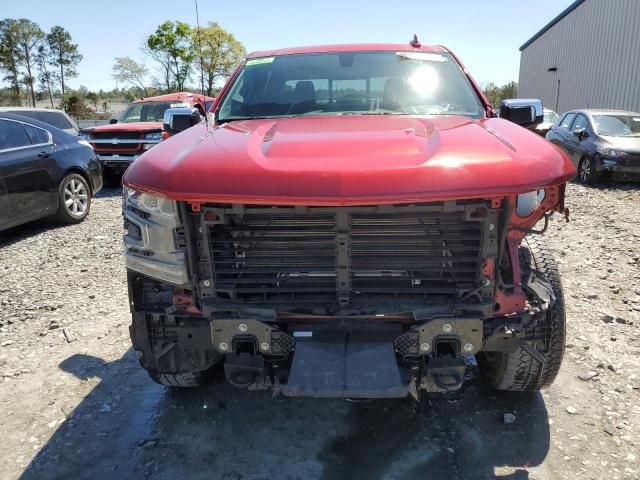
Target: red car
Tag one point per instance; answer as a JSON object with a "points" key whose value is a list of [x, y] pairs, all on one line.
{"points": [[139, 128], [355, 222]]}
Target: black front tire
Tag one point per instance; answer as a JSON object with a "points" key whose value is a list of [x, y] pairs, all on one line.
{"points": [[74, 199], [587, 171], [521, 371]]}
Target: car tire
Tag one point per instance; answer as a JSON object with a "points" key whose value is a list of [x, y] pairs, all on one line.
{"points": [[521, 371], [74, 199], [182, 380], [587, 173]]}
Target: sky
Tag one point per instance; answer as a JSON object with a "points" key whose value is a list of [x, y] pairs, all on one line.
{"points": [[484, 34]]}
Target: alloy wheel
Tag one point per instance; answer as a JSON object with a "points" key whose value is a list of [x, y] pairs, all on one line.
{"points": [[76, 197], [585, 171]]}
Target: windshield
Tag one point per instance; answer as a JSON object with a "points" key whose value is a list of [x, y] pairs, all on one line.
{"points": [[550, 116], [374, 83], [147, 111], [617, 125]]}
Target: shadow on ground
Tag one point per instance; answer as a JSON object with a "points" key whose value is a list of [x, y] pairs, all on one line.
{"points": [[27, 230], [129, 427]]}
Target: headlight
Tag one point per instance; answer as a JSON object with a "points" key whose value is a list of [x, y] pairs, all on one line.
{"points": [[610, 152], [153, 136], [149, 203], [527, 203], [150, 237]]}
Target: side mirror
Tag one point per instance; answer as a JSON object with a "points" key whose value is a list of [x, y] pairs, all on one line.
{"points": [[525, 112], [178, 119], [581, 133], [112, 121]]}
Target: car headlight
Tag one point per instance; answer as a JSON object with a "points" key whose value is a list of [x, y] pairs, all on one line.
{"points": [[153, 136], [527, 203], [610, 152], [150, 242], [149, 203]]}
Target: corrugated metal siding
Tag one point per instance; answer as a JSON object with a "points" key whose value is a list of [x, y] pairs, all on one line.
{"points": [[596, 49]]}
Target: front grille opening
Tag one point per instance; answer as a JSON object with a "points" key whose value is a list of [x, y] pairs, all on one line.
{"points": [[414, 254]]}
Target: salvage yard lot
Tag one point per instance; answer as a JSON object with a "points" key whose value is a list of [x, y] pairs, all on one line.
{"points": [[75, 404]]}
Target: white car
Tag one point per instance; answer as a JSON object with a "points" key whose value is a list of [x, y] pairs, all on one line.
{"points": [[55, 118]]}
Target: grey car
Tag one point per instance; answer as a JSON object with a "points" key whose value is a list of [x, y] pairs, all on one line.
{"points": [[600, 143]]}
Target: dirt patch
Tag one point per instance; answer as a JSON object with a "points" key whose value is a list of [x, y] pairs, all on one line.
{"points": [[75, 404]]}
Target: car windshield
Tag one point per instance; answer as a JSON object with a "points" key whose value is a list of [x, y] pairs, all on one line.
{"points": [[550, 116], [617, 125], [147, 111], [371, 83]]}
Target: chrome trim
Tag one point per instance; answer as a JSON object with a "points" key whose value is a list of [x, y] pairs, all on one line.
{"points": [[116, 158], [13, 149], [118, 141]]}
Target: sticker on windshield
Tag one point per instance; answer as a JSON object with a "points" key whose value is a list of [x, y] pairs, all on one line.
{"points": [[259, 61], [178, 105], [427, 57], [636, 119]]}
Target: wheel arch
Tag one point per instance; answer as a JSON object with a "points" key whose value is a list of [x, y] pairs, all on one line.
{"points": [[81, 172]]}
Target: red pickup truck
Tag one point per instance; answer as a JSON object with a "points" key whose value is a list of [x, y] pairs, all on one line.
{"points": [[138, 129], [354, 221]]}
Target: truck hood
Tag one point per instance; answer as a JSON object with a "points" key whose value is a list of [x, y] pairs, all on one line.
{"points": [[127, 127], [350, 160]]}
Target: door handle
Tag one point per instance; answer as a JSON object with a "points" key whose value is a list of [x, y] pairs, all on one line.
{"points": [[43, 155]]}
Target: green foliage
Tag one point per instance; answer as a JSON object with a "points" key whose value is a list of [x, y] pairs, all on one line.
{"points": [[128, 71], [171, 45], [10, 54], [218, 52], [64, 54], [496, 94], [26, 37]]}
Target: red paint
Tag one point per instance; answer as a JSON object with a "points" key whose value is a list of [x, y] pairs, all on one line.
{"points": [[350, 160]]}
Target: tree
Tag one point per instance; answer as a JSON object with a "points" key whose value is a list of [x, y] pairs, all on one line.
{"points": [[28, 37], [93, 98], [64, 53], [47, 78], [496, 94], [217, 52], [129, 71], [10, 54], [171, 46]]}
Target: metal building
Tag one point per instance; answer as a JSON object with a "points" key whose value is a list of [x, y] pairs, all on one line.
{"points": [[586, 57]]}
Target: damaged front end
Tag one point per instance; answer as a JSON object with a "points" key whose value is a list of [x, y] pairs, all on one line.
{"points": [[334, 301]]}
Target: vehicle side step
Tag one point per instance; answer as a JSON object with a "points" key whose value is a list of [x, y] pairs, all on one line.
{"points": [[346, 363]]}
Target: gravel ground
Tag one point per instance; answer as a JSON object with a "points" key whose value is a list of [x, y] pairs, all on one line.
{"points": [[76, 405]]}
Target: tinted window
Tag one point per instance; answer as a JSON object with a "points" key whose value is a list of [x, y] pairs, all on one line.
{"points": [[26, 113], [56, 119], [581, 123], [567, 120], [36, 135], [147, 111], [12, 135]]}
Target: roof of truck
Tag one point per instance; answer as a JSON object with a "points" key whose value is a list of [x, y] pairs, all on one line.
{"points": [[349, 47]]}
